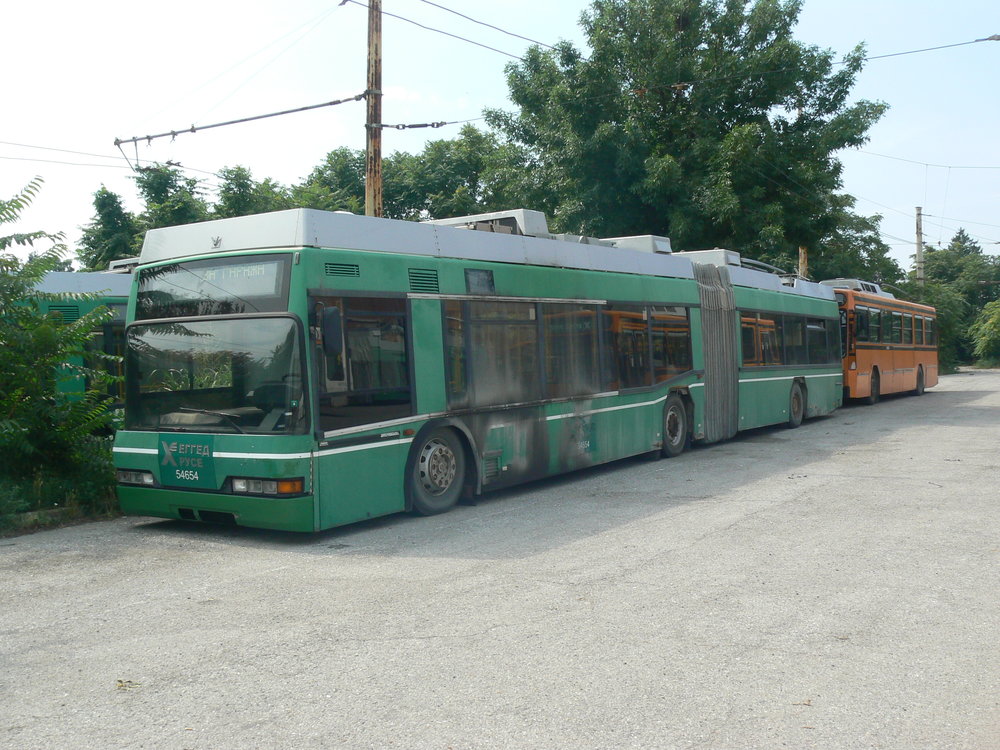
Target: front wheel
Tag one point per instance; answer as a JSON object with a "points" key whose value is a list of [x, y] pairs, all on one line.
{"points": [[437, 474], [675, 427], [796, 406]]}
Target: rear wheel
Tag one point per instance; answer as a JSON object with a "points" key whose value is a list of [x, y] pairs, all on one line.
{"points": [[675, 427], [873, 398], [796, 405], [438, 473], [919, 390]]}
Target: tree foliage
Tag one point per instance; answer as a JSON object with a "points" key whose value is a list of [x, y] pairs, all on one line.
{"points": [[973, 277], [985, 333], [699, 119], [42, 427], [110, 236]]}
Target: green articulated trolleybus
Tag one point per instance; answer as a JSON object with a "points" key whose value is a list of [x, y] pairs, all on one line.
{"points": [[302, 369]]}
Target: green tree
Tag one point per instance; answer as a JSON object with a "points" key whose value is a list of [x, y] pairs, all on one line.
{"points": [[952, 320], [42, 428], [241, 195], [985, 333], [111, 235], [700, 119], [973, 276], [170, 198], [337, 184]]}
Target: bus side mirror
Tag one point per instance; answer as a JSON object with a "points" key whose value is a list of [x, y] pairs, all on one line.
{"points": [[333, 331]]}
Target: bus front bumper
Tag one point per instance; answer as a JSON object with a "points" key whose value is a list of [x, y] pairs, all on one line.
{"points": [[282, 514]]}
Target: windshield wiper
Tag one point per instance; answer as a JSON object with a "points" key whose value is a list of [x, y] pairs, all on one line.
{"points": [[230, 417]]}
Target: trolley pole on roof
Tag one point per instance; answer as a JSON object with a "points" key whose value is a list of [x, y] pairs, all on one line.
{"points": [[373, 96], [919, 270]]}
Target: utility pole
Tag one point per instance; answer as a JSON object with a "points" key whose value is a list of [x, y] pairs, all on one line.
{"points": [[373, 96], [920, 248], [803, 262]]}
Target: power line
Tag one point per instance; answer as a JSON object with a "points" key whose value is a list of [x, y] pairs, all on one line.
{"points": [[439, 31], [489, 25], [924, 163], [743, 76], [315, 21], [964, 221], [67, 163], [87, 153], [315, 24]]}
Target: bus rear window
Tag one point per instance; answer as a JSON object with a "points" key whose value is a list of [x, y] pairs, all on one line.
{"points": [[214, 287]]}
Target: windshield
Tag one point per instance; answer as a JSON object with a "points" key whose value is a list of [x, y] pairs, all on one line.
{"points": [[241, 375]]}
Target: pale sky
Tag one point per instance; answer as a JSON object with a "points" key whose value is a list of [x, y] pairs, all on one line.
{"points": [[78, 75]]}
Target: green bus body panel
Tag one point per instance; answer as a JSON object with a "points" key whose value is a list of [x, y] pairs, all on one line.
{"points": [[428, 360], [359, 484]]}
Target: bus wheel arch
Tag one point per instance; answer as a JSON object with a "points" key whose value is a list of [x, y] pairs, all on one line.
{"points": [[797, 401], [439, 469], [677, 411]]}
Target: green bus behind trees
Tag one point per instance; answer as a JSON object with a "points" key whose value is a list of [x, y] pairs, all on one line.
{"points": [[302, 369], [72, 295]]}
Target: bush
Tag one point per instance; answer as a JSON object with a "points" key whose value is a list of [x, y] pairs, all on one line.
{"points": [[53, 454]]}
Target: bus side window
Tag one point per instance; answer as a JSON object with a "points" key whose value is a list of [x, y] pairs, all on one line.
{"points": [[794, 333], [455, 364], [748, 327], [369, 381], [907, 328], [875, 331], [817, 334], [886, 327], [671, 341], [897, 328], [770, 351], [861, 322], [918, 331], [571, 355], [504, 365], [628, 353]]}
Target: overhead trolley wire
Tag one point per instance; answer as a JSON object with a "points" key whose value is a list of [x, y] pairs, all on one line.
{"points": [[489, 25], [439, 31]]}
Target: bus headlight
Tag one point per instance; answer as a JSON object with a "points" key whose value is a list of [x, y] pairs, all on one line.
{"points": [[276, 487], [127, 476]]}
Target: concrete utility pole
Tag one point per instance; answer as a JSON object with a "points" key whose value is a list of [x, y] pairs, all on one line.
{"points": [[373, 150], [803, 262], [920, 248]]}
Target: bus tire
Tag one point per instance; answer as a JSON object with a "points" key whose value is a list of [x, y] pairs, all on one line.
{"points": [[675, 427], [919, 390], [796, 405], [438, 474], [875, 394]]}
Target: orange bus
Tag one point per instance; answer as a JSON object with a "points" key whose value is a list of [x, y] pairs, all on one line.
{"points": [[889, 345]]}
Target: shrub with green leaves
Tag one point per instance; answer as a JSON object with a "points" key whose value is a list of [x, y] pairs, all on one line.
{"points": [[49, 420]]}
